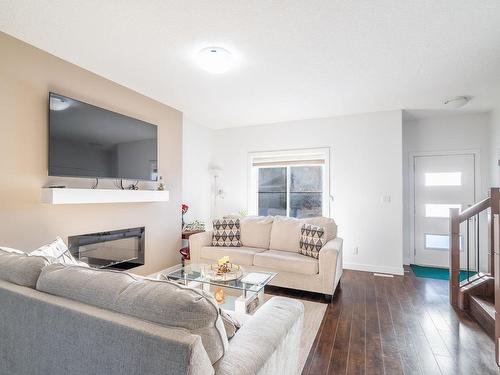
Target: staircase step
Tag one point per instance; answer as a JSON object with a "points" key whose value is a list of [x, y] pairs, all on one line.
{"points": [[482, 309]]}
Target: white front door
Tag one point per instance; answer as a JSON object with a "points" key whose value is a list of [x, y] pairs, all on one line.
{"points": [[441, 182]]}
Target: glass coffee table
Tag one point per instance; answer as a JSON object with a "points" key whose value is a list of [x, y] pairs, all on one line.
{"points": [[243, 295]]}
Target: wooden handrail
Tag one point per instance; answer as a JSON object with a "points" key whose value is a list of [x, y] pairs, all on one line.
{"points": [[475, 209]]}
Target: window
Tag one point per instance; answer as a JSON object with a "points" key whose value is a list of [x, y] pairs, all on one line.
{"points": [[439, 242], [289, 184], [272, 191], [443, 179], [440, 210]]}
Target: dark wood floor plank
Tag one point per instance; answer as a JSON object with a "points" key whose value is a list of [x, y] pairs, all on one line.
{"points": [[374, 354], [357, 346], [340, 351], [390, 348]]}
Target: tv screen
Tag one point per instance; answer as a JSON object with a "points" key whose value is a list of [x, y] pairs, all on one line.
{"points": [[88, 141]]}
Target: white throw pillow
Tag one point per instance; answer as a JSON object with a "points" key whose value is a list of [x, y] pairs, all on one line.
{"points": [[59, 251], [256, 231]]}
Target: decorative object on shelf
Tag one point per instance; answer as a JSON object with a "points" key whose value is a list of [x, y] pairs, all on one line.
{"points": [[243, 212], [133, 186], [184, 209], [219, 295], [161, 185], [195, 226]]}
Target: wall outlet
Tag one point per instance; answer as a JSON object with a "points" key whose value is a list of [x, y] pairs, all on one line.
{"points": [[355, 251]]}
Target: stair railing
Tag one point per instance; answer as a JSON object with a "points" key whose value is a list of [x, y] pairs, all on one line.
{"points": [[490, 206]]}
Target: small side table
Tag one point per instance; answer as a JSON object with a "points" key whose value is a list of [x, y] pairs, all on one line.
{"points": [[185, 253], [187, 233]]}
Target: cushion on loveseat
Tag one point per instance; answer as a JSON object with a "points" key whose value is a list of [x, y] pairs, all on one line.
{"points": [[161, 302], [286, 261], [21, 269], [256, 231], [237, 255], [286, 231]]}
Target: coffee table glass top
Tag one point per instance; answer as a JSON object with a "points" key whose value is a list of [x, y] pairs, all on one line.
{"points": [[251, 281]]}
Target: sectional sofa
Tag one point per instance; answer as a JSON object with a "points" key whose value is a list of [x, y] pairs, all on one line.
{"points": [[72, 320], [272, 244]]}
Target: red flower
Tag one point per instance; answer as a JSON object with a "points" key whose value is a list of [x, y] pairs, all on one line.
{"points": [[184, 208]]}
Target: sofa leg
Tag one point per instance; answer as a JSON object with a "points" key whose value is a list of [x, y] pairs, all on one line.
{"points": [[328, 298]]}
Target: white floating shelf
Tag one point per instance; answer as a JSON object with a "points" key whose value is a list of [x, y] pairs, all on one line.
{"points": [[87, 196]]}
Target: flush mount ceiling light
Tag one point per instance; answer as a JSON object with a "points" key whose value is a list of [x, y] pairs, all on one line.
{"points": [[456, 101], [59, 104], [215, 60]]}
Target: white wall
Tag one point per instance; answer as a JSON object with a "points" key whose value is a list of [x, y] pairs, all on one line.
{"points": [[27, 74], [495, 147], [196, 179], [438, 133], [365, 166]]}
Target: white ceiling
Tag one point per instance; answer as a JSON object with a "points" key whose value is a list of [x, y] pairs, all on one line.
{"points": [[297, 59]]}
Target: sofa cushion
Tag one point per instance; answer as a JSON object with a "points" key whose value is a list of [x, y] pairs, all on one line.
{"points": [[286, 231], [20, 268], [226, 232], [285, 234], [161, 302], [237, 255], [256, 231], [325, 222], [287, 262]]}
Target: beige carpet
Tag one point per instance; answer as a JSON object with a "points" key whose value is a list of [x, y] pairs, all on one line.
{"points": [[313, 316]]}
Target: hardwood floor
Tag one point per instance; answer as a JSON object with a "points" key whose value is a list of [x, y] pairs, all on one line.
{"points": [[400, 325]]}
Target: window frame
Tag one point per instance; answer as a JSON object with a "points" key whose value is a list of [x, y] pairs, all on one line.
{"points": [[289, 158]]}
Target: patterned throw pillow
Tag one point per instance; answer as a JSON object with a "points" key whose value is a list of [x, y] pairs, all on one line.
{"points": [[226, 232], [312, 239]]}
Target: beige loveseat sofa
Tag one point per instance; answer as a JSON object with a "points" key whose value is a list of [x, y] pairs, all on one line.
{"points": [[72, 320], [272, 244]]}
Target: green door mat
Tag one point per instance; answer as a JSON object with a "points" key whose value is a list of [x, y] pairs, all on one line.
{"points": [[437, 273]]}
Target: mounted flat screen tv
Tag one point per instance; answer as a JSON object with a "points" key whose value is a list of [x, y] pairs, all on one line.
{"points": [[88, 141]]}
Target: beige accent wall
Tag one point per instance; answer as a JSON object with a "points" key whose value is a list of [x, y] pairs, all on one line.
{"points": [[27, 74]]}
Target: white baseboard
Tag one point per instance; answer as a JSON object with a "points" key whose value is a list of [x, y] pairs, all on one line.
{"points": [[370, 268]]}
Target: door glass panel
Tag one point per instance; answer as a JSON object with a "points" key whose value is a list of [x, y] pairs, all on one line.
{"points": [[443, 179], [439, 241], [440, 210]]}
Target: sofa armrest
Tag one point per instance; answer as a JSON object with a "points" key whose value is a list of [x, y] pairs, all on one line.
{"points": [[330, 264], [197, 241], [268, 343]]}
